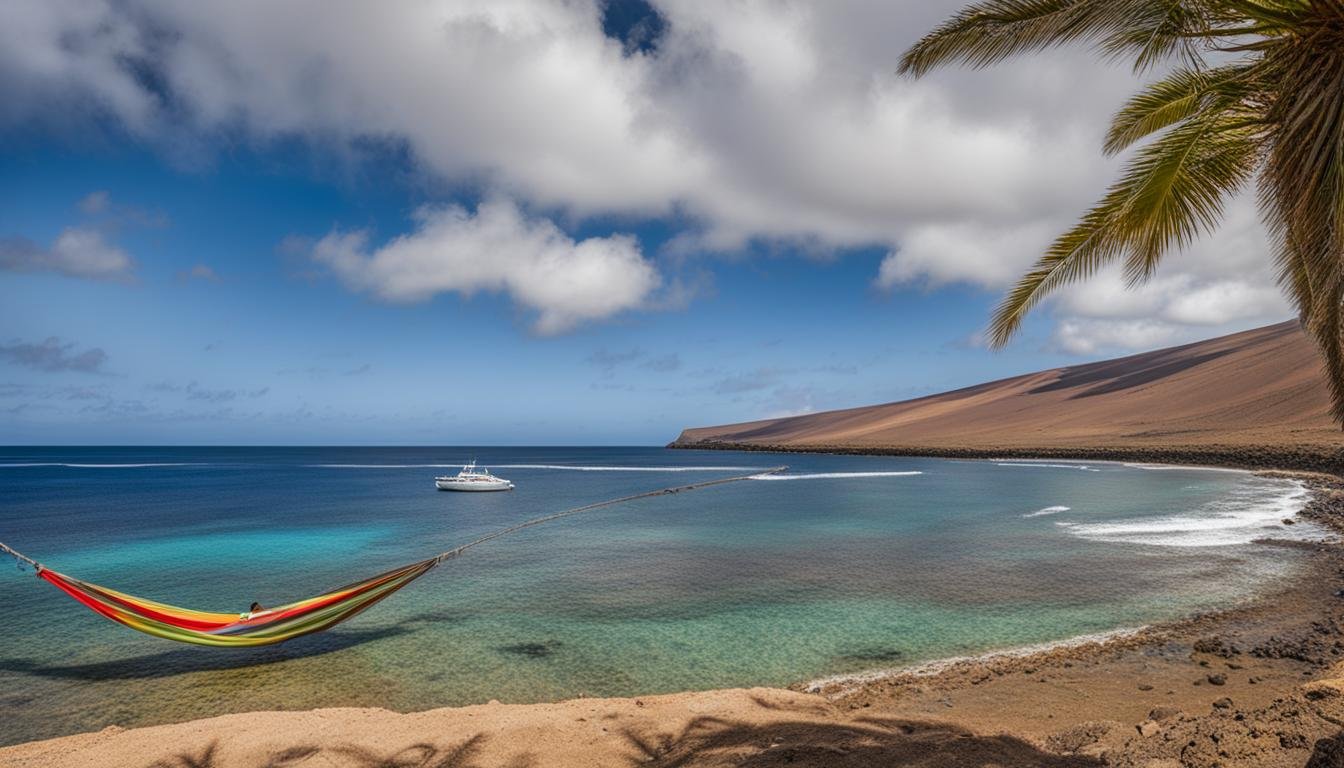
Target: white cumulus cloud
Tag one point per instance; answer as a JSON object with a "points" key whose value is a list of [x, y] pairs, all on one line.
{"points": [[76, 252], [762, 120], [451, 249]]}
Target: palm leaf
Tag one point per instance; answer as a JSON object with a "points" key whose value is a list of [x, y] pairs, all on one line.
{"points": [[1302, 188], [1178, 97], [1171, 192], [1159, 29], [990, 31], [1278, 111]]}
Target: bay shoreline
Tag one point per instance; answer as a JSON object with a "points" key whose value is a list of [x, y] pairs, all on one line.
{"points": [[1259, 683]]}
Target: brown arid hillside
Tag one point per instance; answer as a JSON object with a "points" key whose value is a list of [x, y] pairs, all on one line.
{"points": [[1255, 398]]}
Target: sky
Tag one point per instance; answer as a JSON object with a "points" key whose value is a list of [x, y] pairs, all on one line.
{"points": [[540, 223]]}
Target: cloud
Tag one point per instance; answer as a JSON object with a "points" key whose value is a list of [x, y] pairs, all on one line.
{"points": [[95, 202], [751, 381], [961, 252], [750, 122], [53, 355], [663, 363], [791, 401], [98, 205], [199, 272], [608, 360], [774, 120], [565, 282], [1089, 337], [76, 252], [194, 391]]}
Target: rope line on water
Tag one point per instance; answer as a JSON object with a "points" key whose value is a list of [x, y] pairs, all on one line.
{"points": [[301, 617], [450, 554], [22, 558]]}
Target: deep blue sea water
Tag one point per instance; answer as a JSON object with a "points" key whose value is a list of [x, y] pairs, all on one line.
{"points": [[846, 564]]}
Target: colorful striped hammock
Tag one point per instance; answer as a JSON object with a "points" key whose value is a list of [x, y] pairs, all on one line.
{"points": [[276, 625]]}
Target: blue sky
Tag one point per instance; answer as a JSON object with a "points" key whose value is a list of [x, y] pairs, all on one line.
{"points": [[188, 259]]}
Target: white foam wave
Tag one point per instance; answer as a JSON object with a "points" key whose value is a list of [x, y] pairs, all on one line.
{"points": [[16, 465], [1046, 511], [937, 666], [1159, 467], [381, 466], [831, 475], [1083, 467], [1254, 512], [568, 467], [574, 468]]}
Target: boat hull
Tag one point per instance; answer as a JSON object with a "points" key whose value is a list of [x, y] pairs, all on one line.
{"points": [[472, 487]]}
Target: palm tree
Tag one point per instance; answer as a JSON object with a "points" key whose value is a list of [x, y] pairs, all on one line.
{"points": [[1253, 91]]}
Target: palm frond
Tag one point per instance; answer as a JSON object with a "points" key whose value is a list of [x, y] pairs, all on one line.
{"points": [[1172, 191], [990, 31], [1278, 111], [1152, 31], [1302, 187], [1177, 97], [1180, 183], [1157, 30]]}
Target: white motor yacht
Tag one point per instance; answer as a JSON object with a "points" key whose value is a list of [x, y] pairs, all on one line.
{"points": [[472, 479]]}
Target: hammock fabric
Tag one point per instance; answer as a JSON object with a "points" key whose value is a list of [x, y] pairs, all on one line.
{"points": [[276, 625]]}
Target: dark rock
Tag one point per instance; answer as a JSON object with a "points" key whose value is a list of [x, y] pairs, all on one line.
{"points": [[1163, 713], [1145, 687], [1327, 753], [1216, 646], [1223, 703], [873, 654], [1218, 678], [532, 650]]}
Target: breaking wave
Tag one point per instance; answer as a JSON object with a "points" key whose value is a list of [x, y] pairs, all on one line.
{"points": [[834, 475], [1046, 511], [1256, 511], [1159, 467], [568, 467], [1083, 467]]}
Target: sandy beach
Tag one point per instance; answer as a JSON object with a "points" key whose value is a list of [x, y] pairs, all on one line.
{"points": [[1259, 684]]}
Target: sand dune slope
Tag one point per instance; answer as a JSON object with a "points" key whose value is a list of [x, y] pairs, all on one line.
{"points": [[1256, 388]]}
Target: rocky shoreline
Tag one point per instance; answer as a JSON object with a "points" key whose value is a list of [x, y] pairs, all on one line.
{"points": [[1266, 679]]}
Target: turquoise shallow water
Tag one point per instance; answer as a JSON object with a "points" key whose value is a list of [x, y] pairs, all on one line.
{"points": [[846, 565]]}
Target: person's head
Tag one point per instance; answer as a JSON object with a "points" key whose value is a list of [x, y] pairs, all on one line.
{"points": [[255, 607]]}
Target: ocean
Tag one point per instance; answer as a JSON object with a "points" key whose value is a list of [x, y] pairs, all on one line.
{"points": [[842, 565]]}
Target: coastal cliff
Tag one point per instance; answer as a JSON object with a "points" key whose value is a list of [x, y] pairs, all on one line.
{"points": [[1250, 399]]}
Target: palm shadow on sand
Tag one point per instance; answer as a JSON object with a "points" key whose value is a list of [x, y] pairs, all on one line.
{"points": [[863, 742], [420, 755]]}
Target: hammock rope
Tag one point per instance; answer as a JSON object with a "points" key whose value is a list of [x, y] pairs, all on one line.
{"points": [[276, 625]]}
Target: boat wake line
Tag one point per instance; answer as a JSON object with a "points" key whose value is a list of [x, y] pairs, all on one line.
{"points": [[563, 467], [832, 475]]}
